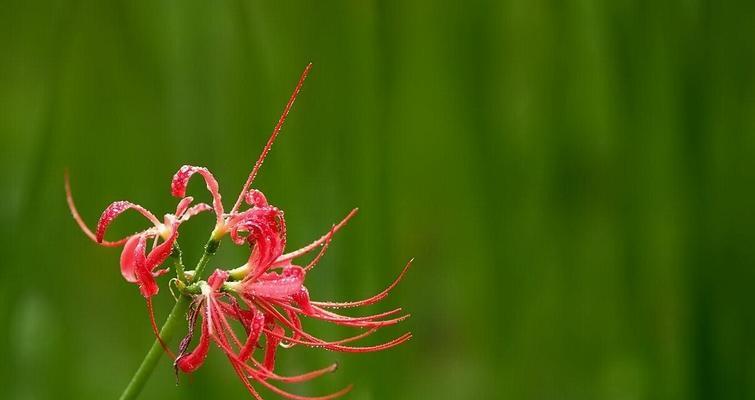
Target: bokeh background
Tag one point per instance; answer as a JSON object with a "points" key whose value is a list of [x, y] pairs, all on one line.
{"points": [[575, 180]]}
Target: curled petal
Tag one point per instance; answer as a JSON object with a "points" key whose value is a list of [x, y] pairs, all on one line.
{"points": [[256, 198], [117, 208], [266, 231], [181, 180]]}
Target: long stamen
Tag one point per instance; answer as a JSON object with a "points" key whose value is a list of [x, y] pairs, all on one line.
{"points": [[322, 251], [156, 330], [347, 349], [270, 141], [320, 343], [372, 300], [308, 376], [181, 180], [80, 221], [306, 249], [292, 396]]}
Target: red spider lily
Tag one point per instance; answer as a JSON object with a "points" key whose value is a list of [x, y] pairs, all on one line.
{"points": [[274, 303], [271, 287], [266, 296]]}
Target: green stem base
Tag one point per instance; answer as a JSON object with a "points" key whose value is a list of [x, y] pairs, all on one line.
{"points": [[137, 382]]}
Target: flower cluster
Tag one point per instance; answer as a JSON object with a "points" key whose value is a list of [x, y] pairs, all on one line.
{"points": [[265, 298]]}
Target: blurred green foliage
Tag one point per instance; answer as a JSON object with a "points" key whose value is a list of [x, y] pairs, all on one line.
{"points": [[575, 180]]}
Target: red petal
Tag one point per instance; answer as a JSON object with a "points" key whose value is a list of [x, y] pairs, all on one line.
{"points": [[144, 278], [181, 180], [128, 259], [256, 198], [158, 255], [194, 210], [255, 329], [190, 362], [183, 205], [217, 279], [276, 286], [117, 208]]}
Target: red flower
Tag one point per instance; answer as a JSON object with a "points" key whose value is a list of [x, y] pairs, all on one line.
{"points": [[266, 296], [272, 290]]}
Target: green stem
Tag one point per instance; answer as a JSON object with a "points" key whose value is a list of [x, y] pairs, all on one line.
{"points": [[178, 262], [209, 250], [177, 314], [137, 382]]}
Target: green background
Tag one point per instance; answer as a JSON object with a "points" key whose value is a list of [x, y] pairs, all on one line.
{"points": [[575, 180]]}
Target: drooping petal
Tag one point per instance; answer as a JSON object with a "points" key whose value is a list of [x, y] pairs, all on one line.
{"points": [[128, 259], [147, 285], [117, 208], [266, 232], [181, 180]]}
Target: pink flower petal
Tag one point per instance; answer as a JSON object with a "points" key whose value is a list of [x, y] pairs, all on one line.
{"points": [[181, 180], [117, 208], [128, 259]]}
